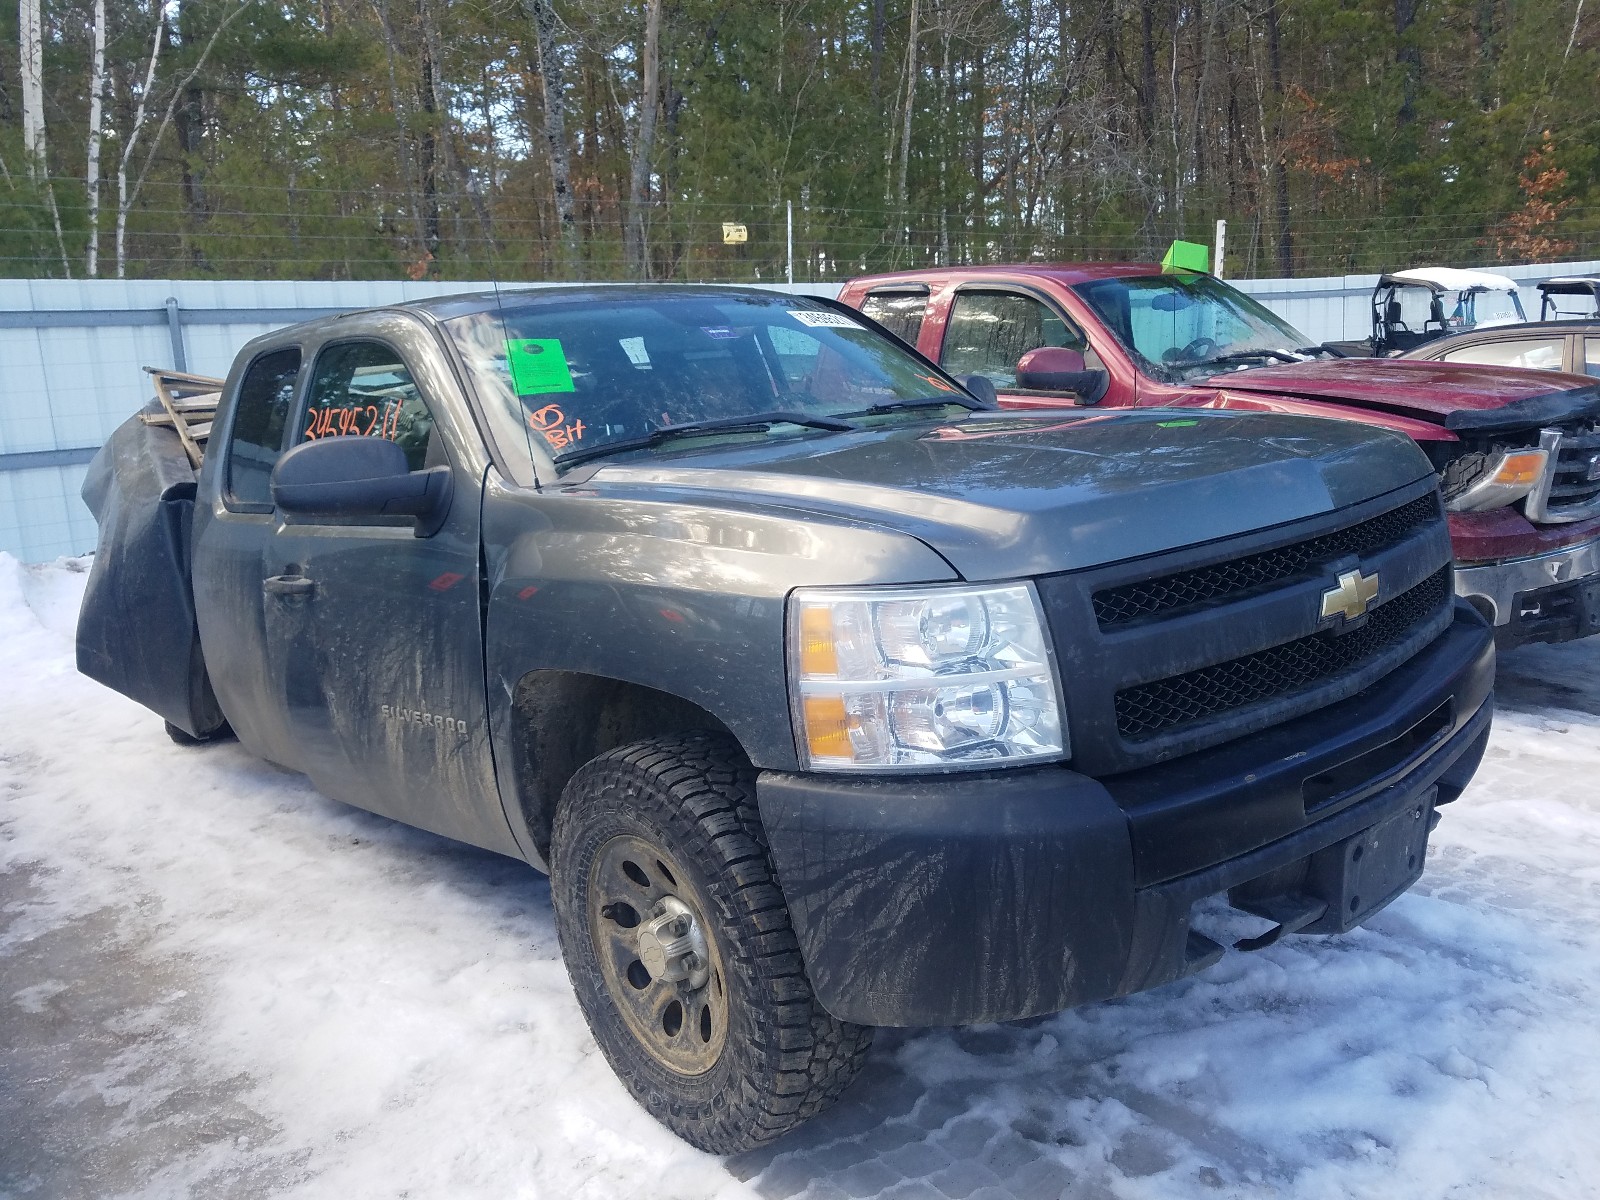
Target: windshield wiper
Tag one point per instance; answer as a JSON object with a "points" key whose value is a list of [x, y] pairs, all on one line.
{"points": [[969, 403], [1244, 356], [667, 433]]}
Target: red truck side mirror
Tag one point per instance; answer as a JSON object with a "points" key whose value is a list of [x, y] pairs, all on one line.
{"points": [[1059, 369]]}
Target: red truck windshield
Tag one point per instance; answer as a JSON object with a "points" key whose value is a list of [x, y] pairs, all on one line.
{"points": [[1185, 325]]}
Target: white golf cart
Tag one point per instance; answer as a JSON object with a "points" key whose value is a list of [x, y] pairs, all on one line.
{"points": [[1412, 308]]}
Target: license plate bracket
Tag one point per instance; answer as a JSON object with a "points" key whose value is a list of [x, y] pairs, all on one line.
{"points": [[1365, 871]]}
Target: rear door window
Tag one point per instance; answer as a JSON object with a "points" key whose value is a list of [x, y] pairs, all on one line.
{"points": [[1539, 354], [988, 332], [1591, 356], [364, 389], [900, 312], [261, 414]]}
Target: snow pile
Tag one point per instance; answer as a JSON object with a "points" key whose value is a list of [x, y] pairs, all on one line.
{"points": [[214, 980]]}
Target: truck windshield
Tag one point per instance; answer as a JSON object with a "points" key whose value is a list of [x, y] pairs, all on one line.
{"points": [[1182, 326], [566, 379]]}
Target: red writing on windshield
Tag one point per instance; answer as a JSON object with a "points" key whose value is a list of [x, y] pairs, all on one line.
{"points": [[551, 423]]}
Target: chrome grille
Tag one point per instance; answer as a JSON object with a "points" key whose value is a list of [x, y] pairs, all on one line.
{"points": [[1569, 489]]}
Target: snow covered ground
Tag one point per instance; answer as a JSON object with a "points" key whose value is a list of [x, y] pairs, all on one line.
{"points": [[213, 982]]}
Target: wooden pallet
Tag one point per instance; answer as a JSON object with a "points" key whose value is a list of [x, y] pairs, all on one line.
{"points": [[189, 404]]}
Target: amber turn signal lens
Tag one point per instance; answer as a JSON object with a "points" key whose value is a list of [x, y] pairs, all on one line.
{"points": [[1521, 469], [827, 727], [818, 658]]}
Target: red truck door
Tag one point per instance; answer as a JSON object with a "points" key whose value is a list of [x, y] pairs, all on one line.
{"points": [[985, 328]]}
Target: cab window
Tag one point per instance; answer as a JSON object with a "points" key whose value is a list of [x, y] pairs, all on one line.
{"points": [[261, 414], [988, 332], [1539, 354], [364, 389], [900, 312]]}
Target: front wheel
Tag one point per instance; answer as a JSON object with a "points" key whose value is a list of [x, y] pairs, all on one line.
{"points": [[184, 738], [680, 949]]}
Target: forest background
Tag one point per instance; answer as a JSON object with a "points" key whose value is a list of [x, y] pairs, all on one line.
{"points": [[602, 139]]}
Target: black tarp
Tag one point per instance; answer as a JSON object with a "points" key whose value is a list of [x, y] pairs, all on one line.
{"points": [[136, 630]]}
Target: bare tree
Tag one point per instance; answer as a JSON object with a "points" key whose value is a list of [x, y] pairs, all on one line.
{"points": [[124, 201], [91, 174], [643, 143], [912, 68], [1280, 166], [428, 141], [30, 39], [126, 198], [398, 105], [30, 46], [546, 28]]}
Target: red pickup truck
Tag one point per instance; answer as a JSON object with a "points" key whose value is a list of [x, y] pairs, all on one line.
{"points": [[1518, 452]]}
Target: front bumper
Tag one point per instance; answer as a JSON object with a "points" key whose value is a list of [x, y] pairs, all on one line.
{"points": [[946, 900], [1552, 597]]}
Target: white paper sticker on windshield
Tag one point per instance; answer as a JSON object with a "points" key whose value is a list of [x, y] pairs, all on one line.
{"points": [[822, 319]]}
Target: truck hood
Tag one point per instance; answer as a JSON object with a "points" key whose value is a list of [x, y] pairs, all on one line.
{"points": [[1004, 495], [1411, 387]]}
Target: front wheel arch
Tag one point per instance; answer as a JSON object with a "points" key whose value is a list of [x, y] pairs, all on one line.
{"points": [[564, 719]]}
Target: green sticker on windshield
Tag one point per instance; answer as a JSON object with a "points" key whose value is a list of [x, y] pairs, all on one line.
{"points": [[1176, 424], [538, 366]]}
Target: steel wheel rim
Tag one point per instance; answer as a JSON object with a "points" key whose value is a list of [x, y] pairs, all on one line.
{"points": [[682, 1026]]}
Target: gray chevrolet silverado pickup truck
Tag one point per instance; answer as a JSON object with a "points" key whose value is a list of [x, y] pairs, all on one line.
{"points": [[828, 695]]}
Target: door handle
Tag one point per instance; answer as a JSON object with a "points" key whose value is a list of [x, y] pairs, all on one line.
{"points": [[289, 586]]}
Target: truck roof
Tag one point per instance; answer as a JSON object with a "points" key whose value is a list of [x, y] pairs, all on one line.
{"points": [[462, 304], [1068, 273]]}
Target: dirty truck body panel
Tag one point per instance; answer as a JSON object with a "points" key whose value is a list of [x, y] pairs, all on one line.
{"points": [[1257, 660], [1532, 568]]}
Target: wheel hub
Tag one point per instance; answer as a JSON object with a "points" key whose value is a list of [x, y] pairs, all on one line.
{"points": [[672, 945], [658, 957]]}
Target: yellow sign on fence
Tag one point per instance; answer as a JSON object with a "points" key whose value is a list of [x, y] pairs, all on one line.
{"points": [[734, 234]]}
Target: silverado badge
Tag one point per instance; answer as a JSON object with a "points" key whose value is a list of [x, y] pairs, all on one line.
{"points": [[1351, 597]]}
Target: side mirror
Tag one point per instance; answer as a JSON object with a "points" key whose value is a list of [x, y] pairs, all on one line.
{"points": [[982, 387], [1059, 369], [359, 477]]}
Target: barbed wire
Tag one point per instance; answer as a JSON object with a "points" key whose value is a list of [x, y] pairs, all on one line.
{"points": [[686, 241], [887, 213]]}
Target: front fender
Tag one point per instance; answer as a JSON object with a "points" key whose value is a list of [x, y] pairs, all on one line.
{"points": [[683, 598]]}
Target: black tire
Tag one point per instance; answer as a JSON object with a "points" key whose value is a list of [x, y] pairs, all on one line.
{"points": [[780, 1060], [184, 738]]}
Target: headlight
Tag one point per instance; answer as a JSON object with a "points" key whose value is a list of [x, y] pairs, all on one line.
{"points": [[922, 677], [1506, 476]]}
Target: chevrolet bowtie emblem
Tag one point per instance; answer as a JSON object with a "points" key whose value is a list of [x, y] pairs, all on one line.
{"points": [[1351, 597]]}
